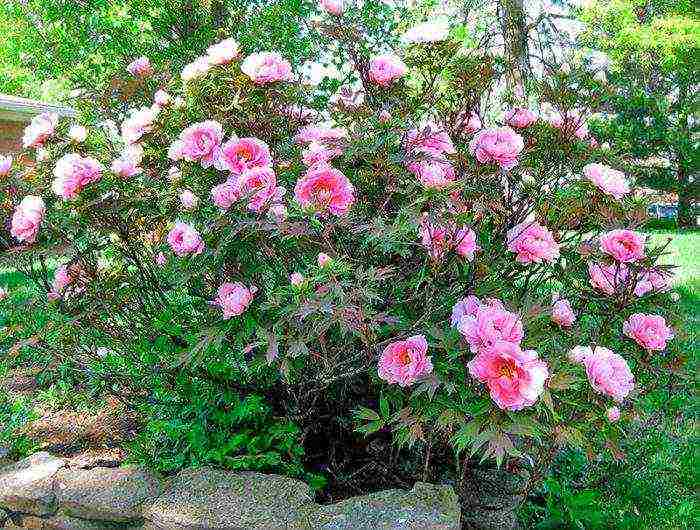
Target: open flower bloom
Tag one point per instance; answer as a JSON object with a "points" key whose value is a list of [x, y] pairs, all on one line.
{"points": [[77, 133], [259, 184], [239, 154], [61, 279], [198, 142], [318, 153], [608, 278], [321, 134], [140, 67], [607, 179], [520, 118], [404, 362], [385, 69], [266, 67], [296, 279], [435, 173], [652, 281], [608, 373], [570, 123], [532, 243], [323, 259], [139, 122], [125, 166], [515, 378], [5, 165], [224, 195], [72, 173], [427, 32], [489, 325], [325, 189], [625, 246], [223, 52], [188, 199], [27, 218], [562, 313], [40, 129], [440, 239], [649, 331], [333, 7], [162, 98], [197, 68], [498, 146], [613, 414], [429, 137], [184, 240], [465, 307], [470, 122], [234, 298]]}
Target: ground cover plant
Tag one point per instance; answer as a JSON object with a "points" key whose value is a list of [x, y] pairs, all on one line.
{"points": [[416, 277]]}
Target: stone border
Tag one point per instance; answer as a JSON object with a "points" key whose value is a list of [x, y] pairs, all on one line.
{"points": [[43, 492]]}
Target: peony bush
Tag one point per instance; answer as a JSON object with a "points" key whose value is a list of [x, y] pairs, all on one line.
{"points": [[274, 275]]}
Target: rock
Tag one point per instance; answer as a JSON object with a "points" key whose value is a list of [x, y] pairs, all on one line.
{"points": [[27, 486], [63, 522], [491, 498], [105, 494], [209, 498], [425, 507]]}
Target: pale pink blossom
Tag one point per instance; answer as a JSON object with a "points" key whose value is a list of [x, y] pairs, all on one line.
{"points": [[77, 133], [161, 260], [515, 378], [626, 246], [259, 184], [188, 200], [61, 279], [234, 298], [296, 279], [613, 414], [278, 212], [609, 180], [317, 153], [239, 154], [465, 307], [125, 167], [139, 122], [72, 173], [266, 67], [386, 69], [406, 361], [323, 259], [578, 353], [427, 32], [499, 146], [465, 243], [608, 373], [174, 174], [429, 138], [140, 67], [652, 281], [439, 239], [162, 98], [608, 278], [562, 313], [3, 293], [184, 240], [42, 154], [520, 117], [533, 243], [348, 98], [197, 68], [224, 195], [199, 142], [223, 52], [570, 123], [469, 122], [489, 325], [436, 173], [40, 129], [321, 134], [325, 188], [27, 218], [333, 7], [649, 331], [5, 165]]}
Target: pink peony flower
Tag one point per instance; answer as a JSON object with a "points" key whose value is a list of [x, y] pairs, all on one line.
{"points": [[520, 118], [440, 239], [470, 122], [184, 239], [188, 199], [72, 173], [197, 68], [125, 166], [609, 180], [61, 279], [223, 52], [436, 173], [404, 362], [651, 281], [562, 313], [532, 243], [570, 123], [649, 331], [161, 260], [260, 185], [427, 32], [429, 138], [490, 324], [608, 278], [625, 246], [266, 67], [140, 67], [200, 141], [320, 133], [385, 69], [77, 134], [278, 212], [162, 98], [465, 240], [224, 195], [239, 154], [578, 353], [27, 218], [40, 129], [5, 165], [515, 378], [334, 7], [318, 153], [500, 146], [137, 124], [465, 307], [234, 298], [3, 293], [323, 259], [325, 188], [348, 98], [608, 373], [296, 279], [613, 414]]}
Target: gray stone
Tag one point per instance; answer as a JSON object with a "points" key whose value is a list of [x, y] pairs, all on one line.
{"points": [[209, 498], [425, 507], [27, 486], [491, 497], [64, 522], [105, 494]]}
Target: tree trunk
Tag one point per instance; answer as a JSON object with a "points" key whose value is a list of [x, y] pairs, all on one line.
{"points": [[514, 29]]}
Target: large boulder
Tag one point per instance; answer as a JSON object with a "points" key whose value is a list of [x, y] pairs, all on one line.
{"points": [[491, 497], [208, 498], [27, 486], [105, 494], [425, 507]]}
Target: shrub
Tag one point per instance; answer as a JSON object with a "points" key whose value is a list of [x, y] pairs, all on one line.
{"points": [[248, 278]]}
